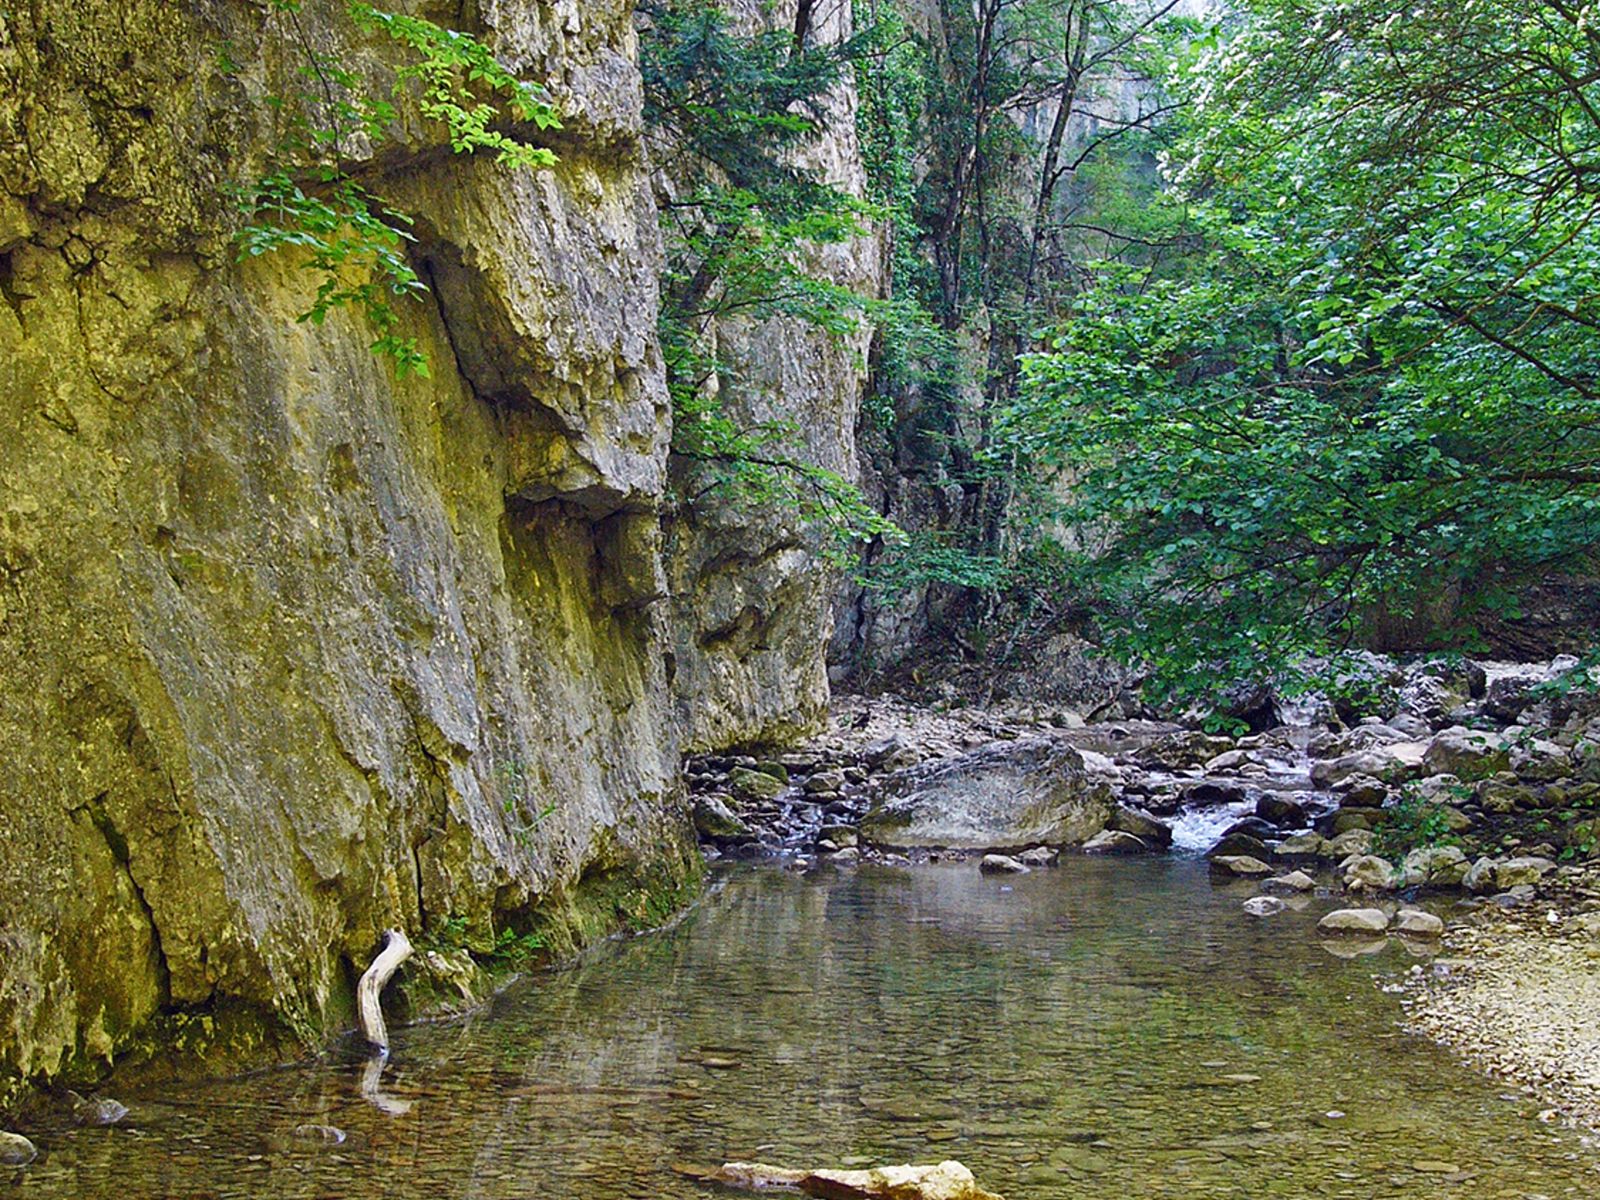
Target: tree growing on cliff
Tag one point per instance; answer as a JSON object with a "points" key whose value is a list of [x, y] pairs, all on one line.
{"points": [[310, 200], [1370, 390], [731, 114]]}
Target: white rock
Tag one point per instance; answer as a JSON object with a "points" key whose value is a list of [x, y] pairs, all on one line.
{"points": [[1001, 864], [1417, 923], [1355, 920]]}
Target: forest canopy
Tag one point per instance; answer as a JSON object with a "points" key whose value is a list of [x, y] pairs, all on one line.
{"points": [[1361, 384]]}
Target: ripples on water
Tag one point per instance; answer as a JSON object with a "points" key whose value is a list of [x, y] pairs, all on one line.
{"points": [[1070, 1033]]}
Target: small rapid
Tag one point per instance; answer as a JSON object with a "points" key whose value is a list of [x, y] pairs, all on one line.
{"points": [[1196, 830]]}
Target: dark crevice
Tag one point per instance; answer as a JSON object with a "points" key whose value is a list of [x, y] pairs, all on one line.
{"points": [[8, 288], [117, 843]]}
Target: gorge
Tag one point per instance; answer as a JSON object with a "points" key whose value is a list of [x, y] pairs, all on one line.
{"points": [[517, 587]]}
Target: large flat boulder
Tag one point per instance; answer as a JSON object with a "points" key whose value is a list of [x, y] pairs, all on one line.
{"points": [[1035, 791], [1389, 762], [1468, 754]]}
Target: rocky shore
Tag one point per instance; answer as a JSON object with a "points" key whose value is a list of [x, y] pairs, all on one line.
{"points": [[1453, 804], [1518, 992]]}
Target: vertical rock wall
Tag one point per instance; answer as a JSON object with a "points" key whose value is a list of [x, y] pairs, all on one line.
{"points": [[291, 650], [752, 598]]}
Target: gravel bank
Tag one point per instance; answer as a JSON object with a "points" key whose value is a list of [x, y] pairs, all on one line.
{"points": [[1519, 994]]}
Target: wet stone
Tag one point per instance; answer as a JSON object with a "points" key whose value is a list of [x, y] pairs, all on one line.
{"points": [[16, 1150], [329, 1135]]}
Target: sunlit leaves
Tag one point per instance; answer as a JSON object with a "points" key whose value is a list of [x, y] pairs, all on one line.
{"points": [[1376, 389], [354, 241]]}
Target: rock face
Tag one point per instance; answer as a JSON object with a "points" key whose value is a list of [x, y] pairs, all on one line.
{"points": [[292, 650], [752, 598], [1031, 792]]}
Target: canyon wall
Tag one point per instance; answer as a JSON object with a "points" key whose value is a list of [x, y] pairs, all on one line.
{"points": [[293, 650], [753, 601]]}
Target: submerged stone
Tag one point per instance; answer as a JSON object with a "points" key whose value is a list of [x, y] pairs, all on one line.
{"points": [[948, 1180]]}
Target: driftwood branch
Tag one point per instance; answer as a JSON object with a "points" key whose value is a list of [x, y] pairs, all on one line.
{"points": [[369, 1014]]}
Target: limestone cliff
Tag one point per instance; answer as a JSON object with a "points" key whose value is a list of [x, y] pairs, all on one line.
{"points": [[752, 598], [291, 650]]}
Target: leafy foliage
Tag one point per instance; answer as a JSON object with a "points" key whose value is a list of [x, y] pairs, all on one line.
{"points": [[1415, 822], [1367, 391], [743, 229], [352, 239]]}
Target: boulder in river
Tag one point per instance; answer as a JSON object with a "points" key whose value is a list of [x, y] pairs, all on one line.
{"points": [[1115, 841], [1354, 921], [1303, 846], [1347, 819], [1370, 873], [100, 1110], [1241, 866], [750, 784], [1181, 748], [1210, 792], [1393, 762], [1294, 881], [1415, 922], [1281, 810], [1264, 906], [1233, 845], [1143, 826], [1362, 791], [1442, 866], [1001, 864], [16, 1150], [1480, 876], [1352, 841], [948, 1180], [1515, 872], [1006, 794], [714, 819], [1466, 753]]}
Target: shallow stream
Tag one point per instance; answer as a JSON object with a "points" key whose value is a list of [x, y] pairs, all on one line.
{"points": [[1110, 1028]]}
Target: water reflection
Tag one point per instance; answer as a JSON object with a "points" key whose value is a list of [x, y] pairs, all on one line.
{"points": [[1108, 1029]]}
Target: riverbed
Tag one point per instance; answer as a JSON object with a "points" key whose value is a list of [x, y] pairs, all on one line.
{"points": [[1107, 1028]]}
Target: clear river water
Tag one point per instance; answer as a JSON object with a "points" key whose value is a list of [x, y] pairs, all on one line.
{"points": [[1113, 1029]]}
